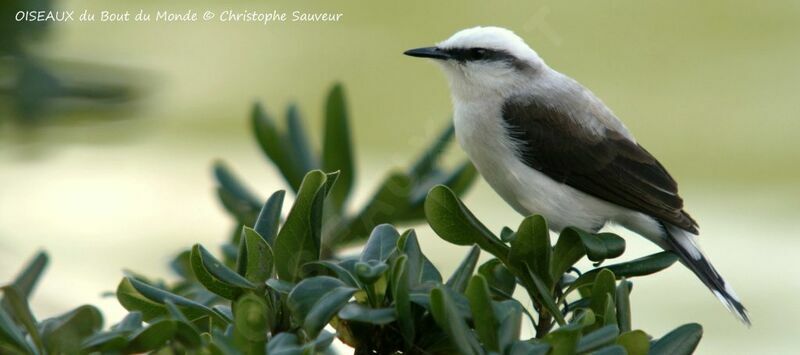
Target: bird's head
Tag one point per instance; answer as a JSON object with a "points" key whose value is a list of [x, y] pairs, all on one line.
{"points": [[481, 60]]}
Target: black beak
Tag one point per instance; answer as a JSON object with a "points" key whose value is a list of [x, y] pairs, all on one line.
{"points": [[428, 52]]}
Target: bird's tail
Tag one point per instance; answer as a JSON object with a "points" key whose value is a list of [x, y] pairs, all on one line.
{"points": [[683, 243]]}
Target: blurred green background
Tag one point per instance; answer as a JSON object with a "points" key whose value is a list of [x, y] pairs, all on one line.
{"points": [[710, 88]]}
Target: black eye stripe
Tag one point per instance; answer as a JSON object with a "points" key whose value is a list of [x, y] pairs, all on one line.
{"points": [[476, 54]]}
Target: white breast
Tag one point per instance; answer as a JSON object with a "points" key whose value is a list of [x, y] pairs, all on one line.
{"points": [[481, 133]]}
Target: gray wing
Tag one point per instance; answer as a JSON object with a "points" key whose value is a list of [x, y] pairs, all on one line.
{"points": [[604, 164]]}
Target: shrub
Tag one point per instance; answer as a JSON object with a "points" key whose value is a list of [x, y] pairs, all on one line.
{"points": [[280, 285]]}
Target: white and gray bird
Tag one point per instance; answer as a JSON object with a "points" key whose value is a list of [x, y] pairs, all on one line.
{"points": [[547, 145]]}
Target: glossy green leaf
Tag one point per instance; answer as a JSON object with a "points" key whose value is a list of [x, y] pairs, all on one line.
{"points": [[602, 295], [638, 267], [500, 280], [153, 337], [449, 318], [635, 342], [531, 246], [381, 243], [314, 301], [337, 150], [255, 258], [269, 218], [136, 295], [564, 340], [681, 341], [483, 313], [453, 222], [461, 276], [574, 243], [298, 241], [64, 334], [360, 313], [280, 286], [598, 338], [369, 272], [420, 269], [334, 268], [215, 276], [544, 296]]}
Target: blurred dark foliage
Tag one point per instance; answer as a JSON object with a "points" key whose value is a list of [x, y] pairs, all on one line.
{"points": [[35, 87]]}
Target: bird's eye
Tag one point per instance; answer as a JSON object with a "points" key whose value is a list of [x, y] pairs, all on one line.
{"points": [[478, 53]]}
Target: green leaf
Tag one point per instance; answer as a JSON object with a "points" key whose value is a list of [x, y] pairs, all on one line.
{"points": [[11, 338], [449, 318], [64, 334], [21, 311], [235, 197], [269, 218], [27, 279], [635, 342], [255, 258], [314, 301], [275, 146], [623, 305], [525, 348], [509, 316], [453, 222], [564, 340], [402, 303], [337, 150], [341, 273], [531, 246], [153, 337], [426, 163], [638, 267], [369, 272], [280, 286], [602, 295], [298, 242], [501, 281], [381, 243], [136, 295], [250, 317], [611, 350], [420, 269], [302, 155], [215, 276], [598, 338], [681, 341], [360, 313], [461, 276], [387, 205], [483, 313], [574, 243], [544, 296]]}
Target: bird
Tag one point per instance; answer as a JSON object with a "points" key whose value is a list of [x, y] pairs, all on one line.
{"points": [[547, 145]]}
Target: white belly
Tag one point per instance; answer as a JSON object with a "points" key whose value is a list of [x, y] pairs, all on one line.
{"points": [[527, 190]]}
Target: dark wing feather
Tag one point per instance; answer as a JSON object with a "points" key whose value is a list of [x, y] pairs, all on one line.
{"points": [[610, 167]]}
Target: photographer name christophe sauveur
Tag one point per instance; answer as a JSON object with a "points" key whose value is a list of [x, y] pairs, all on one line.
{"points": [[264, 17]]}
